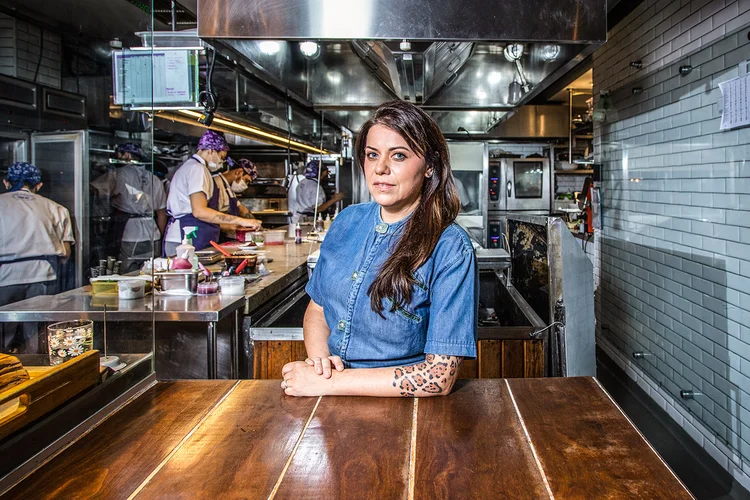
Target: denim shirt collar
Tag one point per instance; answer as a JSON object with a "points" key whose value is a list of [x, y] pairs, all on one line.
{"points": [[388, 228]]}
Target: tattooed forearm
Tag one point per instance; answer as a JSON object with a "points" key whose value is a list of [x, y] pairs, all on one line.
{"points": [[224, 219], [435, 375]]}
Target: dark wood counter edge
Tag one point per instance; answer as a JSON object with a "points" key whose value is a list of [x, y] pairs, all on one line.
{"points": [[150, 427]]}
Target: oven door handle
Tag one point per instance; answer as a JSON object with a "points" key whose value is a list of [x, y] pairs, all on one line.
{"points": [[509, 189]]}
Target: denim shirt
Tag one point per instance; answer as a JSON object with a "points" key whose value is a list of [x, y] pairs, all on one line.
{"points": [[442, 315]]}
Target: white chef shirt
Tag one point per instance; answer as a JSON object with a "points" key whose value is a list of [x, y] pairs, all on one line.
{"points": [[307, 199], [192, 177], [31, 225], [225, 192], [135, 190]]}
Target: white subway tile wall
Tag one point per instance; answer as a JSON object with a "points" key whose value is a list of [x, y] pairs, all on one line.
{"points": [[24, 48], [673, 256]]}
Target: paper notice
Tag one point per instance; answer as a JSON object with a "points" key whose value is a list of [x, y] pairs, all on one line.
{"points": [[735, 96]]}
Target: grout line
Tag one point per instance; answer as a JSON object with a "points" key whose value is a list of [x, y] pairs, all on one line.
{"points": [[531, 445], [413, 449], [294, 450], [182, 441], [642, 436]]}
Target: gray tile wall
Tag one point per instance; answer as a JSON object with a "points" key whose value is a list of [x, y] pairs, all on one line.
{"points": [[20, 47], [674, 251]]}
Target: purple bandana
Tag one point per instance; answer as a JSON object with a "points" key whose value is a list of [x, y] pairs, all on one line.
{"points": [[131, 148], [311, 170], [213, 141], [249, 167]]}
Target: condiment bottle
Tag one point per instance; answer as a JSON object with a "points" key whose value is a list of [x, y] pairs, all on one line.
{"points": [[319, 223], [327, 222], [297, 234]]}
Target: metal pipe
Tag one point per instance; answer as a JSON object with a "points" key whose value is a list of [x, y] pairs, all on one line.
{"points": [[570, 125], [174, 17]]}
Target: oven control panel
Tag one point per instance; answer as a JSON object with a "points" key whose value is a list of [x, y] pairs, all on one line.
{"points": [[494, 179], [494, 234]]}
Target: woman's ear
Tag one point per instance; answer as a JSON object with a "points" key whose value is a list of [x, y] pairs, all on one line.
{"points": [[429, 173], [38, 187]]}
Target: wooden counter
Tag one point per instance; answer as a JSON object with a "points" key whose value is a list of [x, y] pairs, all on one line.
{"points": [[524, 438]]}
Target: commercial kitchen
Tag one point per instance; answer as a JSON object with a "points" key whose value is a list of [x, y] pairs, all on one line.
{"points": [[600, 156]]}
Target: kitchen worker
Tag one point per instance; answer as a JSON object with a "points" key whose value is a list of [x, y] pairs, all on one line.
{"points": [[194, 200], [309, 194], [394, 295], [37, 235], [234, 180], [138, 208]]}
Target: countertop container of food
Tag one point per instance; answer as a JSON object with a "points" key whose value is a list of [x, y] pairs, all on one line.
{"points": [[275, 237], [186, 281], [236, 259], [131, 289], [232, 285]]}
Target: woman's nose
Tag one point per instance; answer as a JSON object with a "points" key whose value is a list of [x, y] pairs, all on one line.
{"points": [[381, 167]]}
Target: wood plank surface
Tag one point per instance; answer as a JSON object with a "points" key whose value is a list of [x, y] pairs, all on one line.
{"points": [[260, 359], [469, 369], [533, 358], [471, 445], [279, 354], [586, 447], [353, 448], [513, 358], [489, 358], [299, 353], [114, 458], [240, 449]]}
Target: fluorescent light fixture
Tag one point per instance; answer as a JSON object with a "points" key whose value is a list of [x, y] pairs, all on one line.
{"points": [[234, 127], [311, 50], [269, 47]]}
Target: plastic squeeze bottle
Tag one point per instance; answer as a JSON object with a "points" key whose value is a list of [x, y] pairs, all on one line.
{"points": [[327, 222], [186, 250], [297, 234]]}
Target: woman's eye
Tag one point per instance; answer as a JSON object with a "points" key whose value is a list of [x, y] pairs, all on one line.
{"points": [[372, 156], [399, 156]]}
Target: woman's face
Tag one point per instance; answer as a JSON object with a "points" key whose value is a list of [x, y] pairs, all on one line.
{"points": [[394, 172]]}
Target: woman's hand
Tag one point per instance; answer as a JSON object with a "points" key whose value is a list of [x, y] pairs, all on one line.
{"points": [[300, 379], [323, 365]]}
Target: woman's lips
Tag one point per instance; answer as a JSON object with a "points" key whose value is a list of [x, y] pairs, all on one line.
{"points": [[383, 186]]}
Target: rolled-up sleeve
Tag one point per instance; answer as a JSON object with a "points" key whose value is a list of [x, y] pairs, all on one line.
{"points": [[314, 286], [452, 330]]}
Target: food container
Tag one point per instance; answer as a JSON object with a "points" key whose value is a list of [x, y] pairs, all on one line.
{"points": [[185, 281], [232, 285], [236, 259], [104, 288], [69, 339], [131, 289], [275, 237], [259, 238], [208, 288], [244, 235]]}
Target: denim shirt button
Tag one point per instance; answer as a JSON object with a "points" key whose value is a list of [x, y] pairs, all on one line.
{"points": [[342, 325], [354, 276], [381, 228]]}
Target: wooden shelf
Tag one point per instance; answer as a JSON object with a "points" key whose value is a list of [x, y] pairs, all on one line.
{"points": [[573, 172]]}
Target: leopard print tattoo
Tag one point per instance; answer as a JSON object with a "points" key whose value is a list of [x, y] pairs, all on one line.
{"points": [[434, 375]]}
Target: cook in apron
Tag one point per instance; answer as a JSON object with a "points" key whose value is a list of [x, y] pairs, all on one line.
{"points": [[207, 232]]}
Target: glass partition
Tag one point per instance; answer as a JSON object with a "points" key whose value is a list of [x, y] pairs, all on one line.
{"points": [[81, 212], [674, 263]]}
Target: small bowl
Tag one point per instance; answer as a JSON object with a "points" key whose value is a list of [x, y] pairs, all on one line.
{"points": [[208, 288]]}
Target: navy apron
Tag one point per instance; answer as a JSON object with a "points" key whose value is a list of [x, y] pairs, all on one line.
{"points": [[116, 229], [207, 232]]}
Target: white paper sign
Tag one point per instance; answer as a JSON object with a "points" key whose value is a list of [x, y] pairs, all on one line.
{"points": [[735, 96]]}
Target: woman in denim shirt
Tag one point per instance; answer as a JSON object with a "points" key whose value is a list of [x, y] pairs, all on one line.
{"points": [[395, 291]]}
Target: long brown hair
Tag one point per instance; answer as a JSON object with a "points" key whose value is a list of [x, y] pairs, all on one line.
{"points": [[438, 207]]}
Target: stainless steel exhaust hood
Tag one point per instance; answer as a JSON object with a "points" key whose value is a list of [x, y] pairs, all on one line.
{"points": [[445, 55]]}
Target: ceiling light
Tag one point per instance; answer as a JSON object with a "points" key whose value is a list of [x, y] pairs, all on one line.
{"points": [[311, 50], [223, 123], [404, 45], [269, 47], [550, 52]]}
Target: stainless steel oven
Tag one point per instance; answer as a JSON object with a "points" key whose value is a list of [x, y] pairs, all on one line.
{"points": [[525, 184]]}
